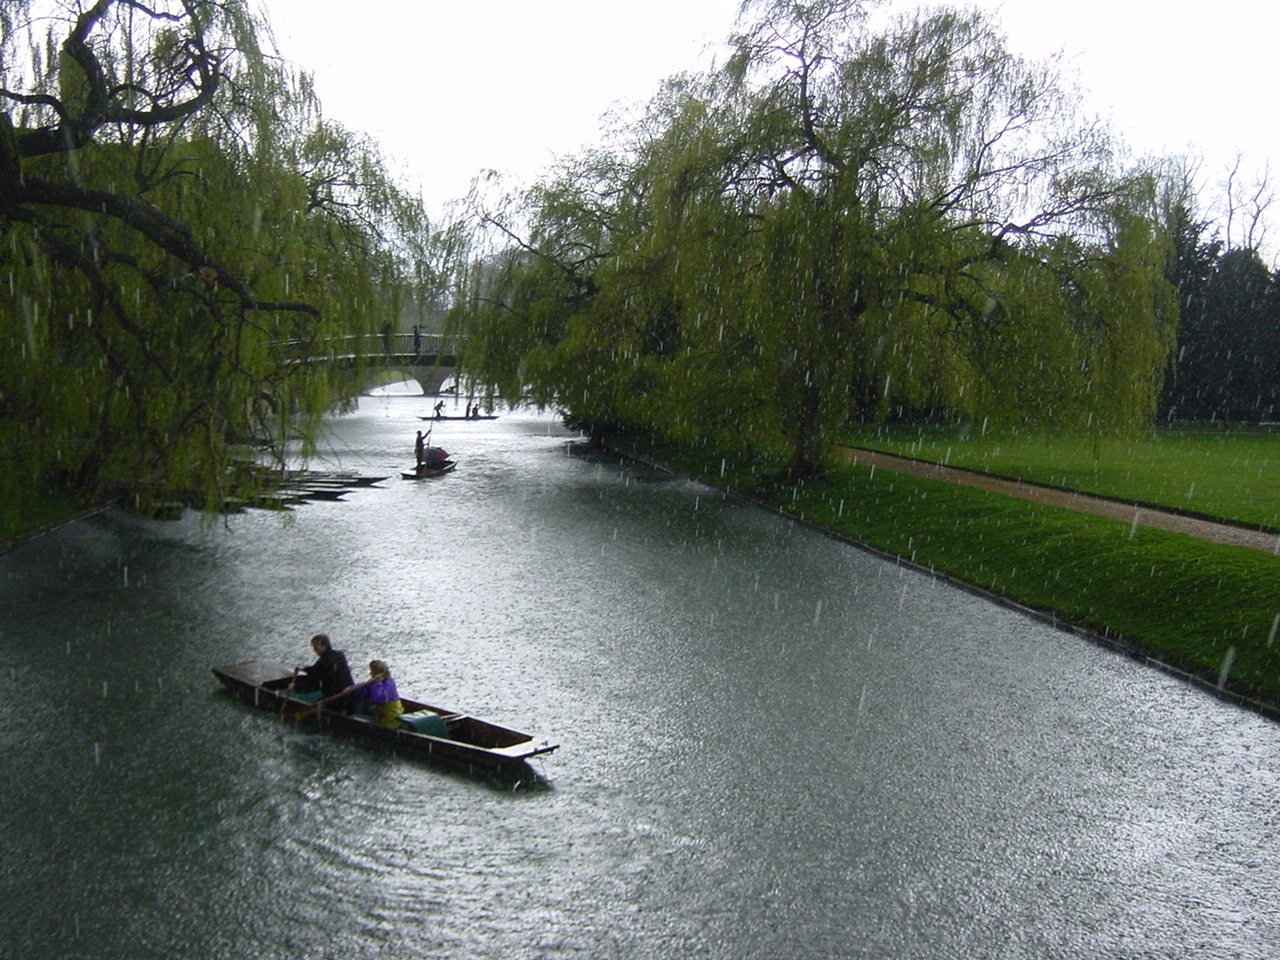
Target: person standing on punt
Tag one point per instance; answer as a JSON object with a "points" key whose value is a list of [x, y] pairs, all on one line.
{"points": [[420, 449], [329, 674], [381, 698]]}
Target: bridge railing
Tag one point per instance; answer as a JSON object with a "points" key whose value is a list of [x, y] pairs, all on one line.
{"points": [[426, 348]]}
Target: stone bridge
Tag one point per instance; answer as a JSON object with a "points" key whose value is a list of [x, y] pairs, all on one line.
{"points": [[429, 358]]}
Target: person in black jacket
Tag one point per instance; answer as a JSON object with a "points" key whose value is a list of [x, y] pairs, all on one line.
{"points": [[329, 674]]}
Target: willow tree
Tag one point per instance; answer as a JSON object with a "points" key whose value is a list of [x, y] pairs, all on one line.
{"points": [[847, 221], [909, 180], [182, 230], [521, 296], [602, 270]]}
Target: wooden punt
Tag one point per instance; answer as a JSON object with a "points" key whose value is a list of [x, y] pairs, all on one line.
{"points": [[426, 473], [329, 483], [312, 493], [324, 478], [431, 731]]}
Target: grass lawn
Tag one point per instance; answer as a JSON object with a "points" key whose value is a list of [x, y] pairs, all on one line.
{"points": [[25, 511], [1207, 609], [1219, 474]]}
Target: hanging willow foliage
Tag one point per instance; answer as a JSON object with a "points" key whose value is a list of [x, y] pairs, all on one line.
{"points": [[845, 222], [180, 233]]}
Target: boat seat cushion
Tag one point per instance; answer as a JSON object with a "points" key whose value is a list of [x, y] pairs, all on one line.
{"points": [[432, 724], [310, 696]]}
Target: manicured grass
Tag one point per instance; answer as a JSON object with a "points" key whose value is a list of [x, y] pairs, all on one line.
{"points": [[26, 511], [1207, 609], [1226, 475]]}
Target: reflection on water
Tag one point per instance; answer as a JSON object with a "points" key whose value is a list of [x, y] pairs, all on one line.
{"points": [[398, 388], [773, 745]]}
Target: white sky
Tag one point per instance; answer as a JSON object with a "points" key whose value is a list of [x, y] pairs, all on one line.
{"points": [[452, 88]]}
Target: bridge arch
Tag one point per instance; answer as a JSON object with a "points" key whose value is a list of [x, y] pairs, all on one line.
{"points": [[429, 358]]}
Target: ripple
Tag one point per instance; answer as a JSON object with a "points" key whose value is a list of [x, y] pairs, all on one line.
{"points": [[773, 745]]}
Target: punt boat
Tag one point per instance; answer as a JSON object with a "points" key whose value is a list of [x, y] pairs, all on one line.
{"points": [[424, 472], [431, 731]]}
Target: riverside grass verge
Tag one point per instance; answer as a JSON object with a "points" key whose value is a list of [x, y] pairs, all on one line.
{"points": [[1203, 609], [1205, 470], [27, 514]]}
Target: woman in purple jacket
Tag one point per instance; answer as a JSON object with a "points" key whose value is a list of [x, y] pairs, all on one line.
{"points": [[382, 699]]}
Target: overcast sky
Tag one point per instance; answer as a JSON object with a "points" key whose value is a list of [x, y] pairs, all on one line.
{"points": [[452, 88]]}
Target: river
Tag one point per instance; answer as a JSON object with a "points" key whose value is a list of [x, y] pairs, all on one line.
{"points": [[773, 745]]}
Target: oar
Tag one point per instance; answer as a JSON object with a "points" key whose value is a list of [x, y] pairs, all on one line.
{"points": [[288, 690], [320, 703]]}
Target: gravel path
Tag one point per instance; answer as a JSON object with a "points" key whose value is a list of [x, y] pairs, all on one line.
{"points": [[1117, 510]]}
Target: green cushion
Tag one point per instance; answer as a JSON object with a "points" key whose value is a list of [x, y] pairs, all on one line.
{"points": [[309, 697], [432, 724]]}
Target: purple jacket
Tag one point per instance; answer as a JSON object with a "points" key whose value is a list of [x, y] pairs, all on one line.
{"points": [[382, 691]]}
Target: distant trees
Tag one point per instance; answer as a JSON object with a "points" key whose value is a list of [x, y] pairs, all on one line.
{"points": [[1227, 365], [838, 224], [172, 207]]}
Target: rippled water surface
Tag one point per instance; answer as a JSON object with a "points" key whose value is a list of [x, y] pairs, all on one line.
{"points": [[773, 745]]}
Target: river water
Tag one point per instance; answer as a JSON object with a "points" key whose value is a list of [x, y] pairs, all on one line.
{"points": [[773, 745]]}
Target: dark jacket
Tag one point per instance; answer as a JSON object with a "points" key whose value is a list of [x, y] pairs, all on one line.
{"points": [[330, 674]]}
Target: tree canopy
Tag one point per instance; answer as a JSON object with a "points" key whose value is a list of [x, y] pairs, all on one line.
{"points": [[180, 231], [842, 222], [1229, 337]]}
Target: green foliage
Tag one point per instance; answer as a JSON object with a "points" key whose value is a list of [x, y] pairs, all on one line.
{"points": [[1229, 347], [1229, 336], [180, 231], [840, 225]]}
